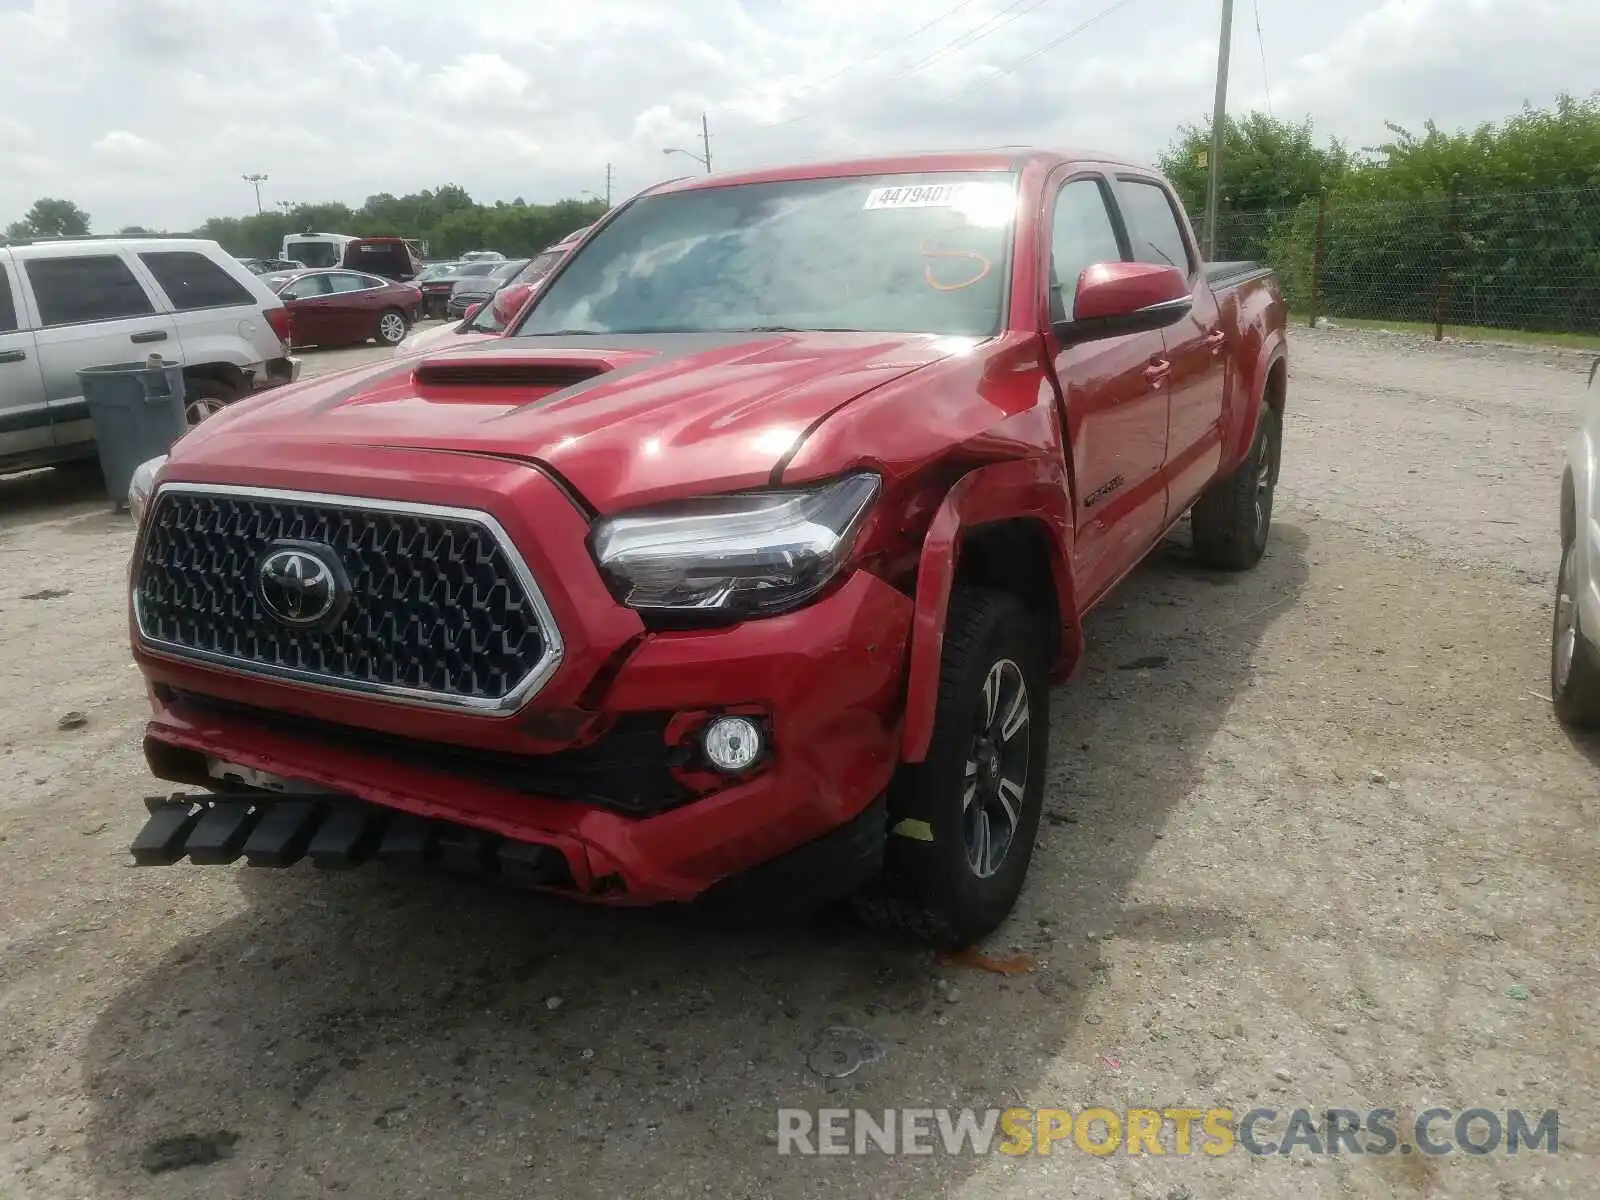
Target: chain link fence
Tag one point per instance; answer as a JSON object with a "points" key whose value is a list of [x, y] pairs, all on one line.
{"points": [[1514, 261]]}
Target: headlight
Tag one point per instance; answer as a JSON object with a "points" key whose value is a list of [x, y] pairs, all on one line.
{"points": [[143, 483], [740, 555]]}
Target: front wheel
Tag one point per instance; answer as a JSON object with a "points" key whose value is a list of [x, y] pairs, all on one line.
{"points": [[392, 327], [962, 823]]}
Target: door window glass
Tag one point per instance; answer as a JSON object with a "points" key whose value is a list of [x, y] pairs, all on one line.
{"points": [[97, 287], [1153, 227]]}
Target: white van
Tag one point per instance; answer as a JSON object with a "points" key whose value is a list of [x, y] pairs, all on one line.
{"points": [[317, 250]]}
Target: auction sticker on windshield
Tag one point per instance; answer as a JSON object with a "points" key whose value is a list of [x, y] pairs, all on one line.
{"points": [[927, 195]]}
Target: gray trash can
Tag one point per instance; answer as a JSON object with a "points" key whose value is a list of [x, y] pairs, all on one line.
{"points": [[138, 412]]}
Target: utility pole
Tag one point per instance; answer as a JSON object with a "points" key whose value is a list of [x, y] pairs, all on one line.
{"points": [[1219, 119], [256, 181], [607, 197]]}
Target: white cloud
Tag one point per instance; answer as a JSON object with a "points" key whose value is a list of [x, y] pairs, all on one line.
{"points": [[148, 111], [125, 149]]}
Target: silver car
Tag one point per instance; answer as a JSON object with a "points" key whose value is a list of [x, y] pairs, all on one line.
{"points": [[1575, 632], [67, 304]]}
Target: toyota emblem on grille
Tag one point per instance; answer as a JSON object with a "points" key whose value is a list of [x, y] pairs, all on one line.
{"points": [[300, 585]]}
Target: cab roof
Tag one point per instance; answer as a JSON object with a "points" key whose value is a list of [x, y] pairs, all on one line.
{"points": [[998, 159]]}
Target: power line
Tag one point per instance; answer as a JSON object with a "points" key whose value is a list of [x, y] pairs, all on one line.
{"points": [[888, 46], [1080, 27], [1262, 46], [972, 36]]}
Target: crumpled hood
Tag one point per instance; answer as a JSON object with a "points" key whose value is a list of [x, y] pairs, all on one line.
{"points": [[625, 420]]}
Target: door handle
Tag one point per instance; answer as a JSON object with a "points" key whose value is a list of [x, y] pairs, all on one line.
{"points": [[1157, 372], [13, 356], [1216, 339], [154, 335]]}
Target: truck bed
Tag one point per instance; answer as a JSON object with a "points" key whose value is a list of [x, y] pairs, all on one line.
{"points": [[1224, 275]]}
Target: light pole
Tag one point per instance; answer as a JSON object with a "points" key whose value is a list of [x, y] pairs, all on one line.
{"points": [[255, 181], [705, 140]]}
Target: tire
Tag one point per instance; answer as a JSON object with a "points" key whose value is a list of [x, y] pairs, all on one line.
{"points": [[1233, 517], [1574, 665], [392, 327], [204, 398], [933, 885]]}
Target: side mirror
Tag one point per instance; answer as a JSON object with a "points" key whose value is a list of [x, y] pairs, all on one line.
{"points": [[508, 302], [473, 311], [1118, 298]]}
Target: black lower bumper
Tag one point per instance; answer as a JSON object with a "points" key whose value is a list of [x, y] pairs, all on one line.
{"points": [[333, 832], [270, 829]]}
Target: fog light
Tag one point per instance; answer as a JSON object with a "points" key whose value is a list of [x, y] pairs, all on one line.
{"points": [[732, 743]]}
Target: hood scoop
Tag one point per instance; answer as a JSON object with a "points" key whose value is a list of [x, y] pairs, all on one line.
{"points": [[543, 377]]}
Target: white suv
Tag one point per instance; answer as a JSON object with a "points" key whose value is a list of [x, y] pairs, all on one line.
{"points": [[1575, 635], [66, 304]]}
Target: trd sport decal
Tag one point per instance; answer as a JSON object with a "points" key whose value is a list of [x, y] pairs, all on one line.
{"points": [[1101, 492]]}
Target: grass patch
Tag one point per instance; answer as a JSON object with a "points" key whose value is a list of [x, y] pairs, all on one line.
{"points": [[1472, 333]]}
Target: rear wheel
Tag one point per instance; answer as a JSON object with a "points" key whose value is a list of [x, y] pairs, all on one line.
{"points": [[204, 398], [392, 327], [1233, 517], [962, 823], [1574, 669]]}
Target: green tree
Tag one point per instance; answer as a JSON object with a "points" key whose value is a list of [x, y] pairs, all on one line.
{"points": [[51, 218], [1266, 163], [1494, 226]]}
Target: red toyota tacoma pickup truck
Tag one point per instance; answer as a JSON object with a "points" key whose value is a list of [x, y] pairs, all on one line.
{"points": [[738, 571]]}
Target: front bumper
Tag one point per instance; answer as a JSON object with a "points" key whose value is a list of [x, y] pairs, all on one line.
{"points": [[593, 767]]}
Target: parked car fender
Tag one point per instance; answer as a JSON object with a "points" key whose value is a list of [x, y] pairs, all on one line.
{"points": [[1578, 500], [1030, 490]]}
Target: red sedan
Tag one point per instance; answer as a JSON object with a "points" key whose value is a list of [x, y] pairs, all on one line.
{"points": [[340, 308]]}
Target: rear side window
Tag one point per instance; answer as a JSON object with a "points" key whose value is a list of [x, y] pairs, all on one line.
{"points": [[8, 306], [94, 287], [191, 281], [354, 283], [1153, 225]]}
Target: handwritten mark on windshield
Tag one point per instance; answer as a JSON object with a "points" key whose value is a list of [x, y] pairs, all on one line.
{"points": [[928, 277]]}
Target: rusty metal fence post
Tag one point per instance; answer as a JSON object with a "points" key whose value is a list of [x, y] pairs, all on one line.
{"points": [[1318, 245], [1441, 289]]}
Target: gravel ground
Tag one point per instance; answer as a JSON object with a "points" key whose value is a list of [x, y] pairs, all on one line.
{"points": [[1313, 839]]}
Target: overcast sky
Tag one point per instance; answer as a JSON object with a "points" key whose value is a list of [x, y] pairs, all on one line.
{"points": [[149, 111]]}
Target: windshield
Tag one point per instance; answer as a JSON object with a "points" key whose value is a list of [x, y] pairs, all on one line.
{"points": [[436, 271], [923, 253], [472, 269], [314, 254], [506, 270]]}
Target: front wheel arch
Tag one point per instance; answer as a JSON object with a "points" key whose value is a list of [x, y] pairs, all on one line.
{"points": [[1030, 492]]}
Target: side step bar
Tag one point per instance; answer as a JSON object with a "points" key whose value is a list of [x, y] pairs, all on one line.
{"points": [[334, 832]]}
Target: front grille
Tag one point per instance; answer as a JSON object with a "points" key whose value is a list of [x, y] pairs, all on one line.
{"points": [[439, 609]]}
